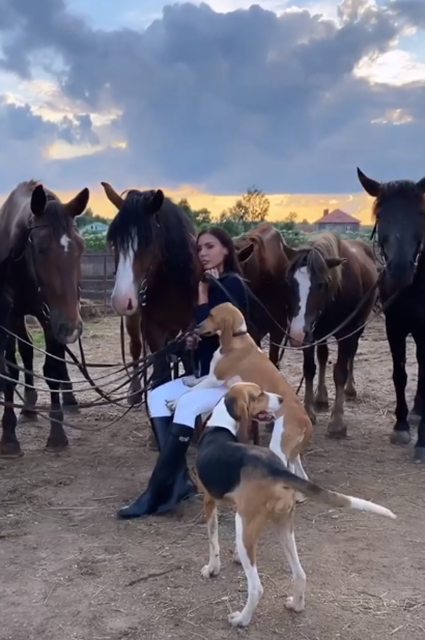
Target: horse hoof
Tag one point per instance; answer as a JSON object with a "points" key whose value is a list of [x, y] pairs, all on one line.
{"points": [[312, 416], [337, 431], [350, 394], [30, 416], [71, 408], [413, 418], [419, 454], [321, 405], [134, 398], [10, 450], [400, 437], [56, 446]]}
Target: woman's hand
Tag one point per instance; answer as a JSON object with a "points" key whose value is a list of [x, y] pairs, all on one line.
{"points": [[192, 341], [203, 286]]}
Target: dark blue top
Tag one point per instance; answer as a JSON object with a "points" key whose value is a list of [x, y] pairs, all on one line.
{"points": [[238, 295]]}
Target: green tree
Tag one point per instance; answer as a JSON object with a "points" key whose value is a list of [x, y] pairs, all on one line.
{"points": [[88, 216], [201, 218], [253, 207]]}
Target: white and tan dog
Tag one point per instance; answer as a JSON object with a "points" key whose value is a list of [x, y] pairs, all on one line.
{"points": [[240, 359], [262, 489]]}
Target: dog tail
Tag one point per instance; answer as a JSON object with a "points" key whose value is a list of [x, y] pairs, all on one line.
{"points": [[333, 498]]}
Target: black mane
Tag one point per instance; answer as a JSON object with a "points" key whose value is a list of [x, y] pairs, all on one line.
{"points": [[397, 190], [170, 225]]}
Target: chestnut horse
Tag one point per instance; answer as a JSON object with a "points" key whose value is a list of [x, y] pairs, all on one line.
{"points": [[155, 257], [41, 250], [399, 211], [330, 279], [261, 253]]}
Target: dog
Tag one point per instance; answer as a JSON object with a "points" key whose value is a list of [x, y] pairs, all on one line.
{"points": [[240, 359], [262, 489]]}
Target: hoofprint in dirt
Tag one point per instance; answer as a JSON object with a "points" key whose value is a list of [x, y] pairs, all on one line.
{"points": [[71, 570]]}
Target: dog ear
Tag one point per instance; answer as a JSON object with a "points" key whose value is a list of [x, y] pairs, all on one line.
{"points": [[237, 408], [226, 334]]}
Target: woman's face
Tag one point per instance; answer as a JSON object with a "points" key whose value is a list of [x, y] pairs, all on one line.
{"points": [[211, 252]]}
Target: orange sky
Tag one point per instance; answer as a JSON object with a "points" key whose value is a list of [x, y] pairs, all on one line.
{"points": [[309, 206]]}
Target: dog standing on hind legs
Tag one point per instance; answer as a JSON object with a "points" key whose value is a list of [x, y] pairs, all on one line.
{"points": [[262, 489]]}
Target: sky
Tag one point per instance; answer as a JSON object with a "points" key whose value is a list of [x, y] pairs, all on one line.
{"points": [[210, 98]]}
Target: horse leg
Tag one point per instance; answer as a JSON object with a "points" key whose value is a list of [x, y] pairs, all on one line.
{"points": [[396, 337], [419, 338], [132, 325], [57, 440], [309, 370], [276, 338], [9, 443], [419, 401], [26, 351], [350, 389], [346, 351], [321, 402], [69, 401]]}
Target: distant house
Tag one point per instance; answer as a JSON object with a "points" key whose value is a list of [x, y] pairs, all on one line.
{"points": [[337, 221], [95, 227]]}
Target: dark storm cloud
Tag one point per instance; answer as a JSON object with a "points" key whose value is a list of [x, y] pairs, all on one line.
{"points": [[232, 99]]}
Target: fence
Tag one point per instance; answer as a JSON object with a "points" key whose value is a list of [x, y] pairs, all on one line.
{"points": [[97, 278]]}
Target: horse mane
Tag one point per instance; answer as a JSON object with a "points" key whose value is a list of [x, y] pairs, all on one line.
{"points": [[406, 190], [134, 222], [15, 214], [314, 254]]}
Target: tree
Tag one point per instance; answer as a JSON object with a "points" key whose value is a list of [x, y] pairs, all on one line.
{"points": [[253, 207], [201, 218], [87, 217]]}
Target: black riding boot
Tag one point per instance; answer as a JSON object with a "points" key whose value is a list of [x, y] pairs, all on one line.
{"points": [[170, 482]]}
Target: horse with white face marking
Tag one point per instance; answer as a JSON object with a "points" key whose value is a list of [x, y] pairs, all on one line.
{"points": [[155, 257], [328, 279], [40, 258]]}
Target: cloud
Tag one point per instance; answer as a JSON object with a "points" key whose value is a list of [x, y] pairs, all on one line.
{"points": [[225, 100]]}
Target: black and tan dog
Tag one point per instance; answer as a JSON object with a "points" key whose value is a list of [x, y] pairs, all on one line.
{"points": [[262, 489]]}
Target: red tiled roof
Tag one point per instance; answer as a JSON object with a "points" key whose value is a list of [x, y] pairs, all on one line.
{"points": [[338, 217]]}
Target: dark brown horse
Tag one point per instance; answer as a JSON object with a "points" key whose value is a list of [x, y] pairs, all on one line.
{"points": [[399, 211], [41, 253], [155, 256], [264, 262], [330, 279]]}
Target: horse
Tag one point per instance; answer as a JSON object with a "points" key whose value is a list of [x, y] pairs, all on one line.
{"points": [[399, 213], [41, 250], [157, 274], [264, 262], [333, 287]]}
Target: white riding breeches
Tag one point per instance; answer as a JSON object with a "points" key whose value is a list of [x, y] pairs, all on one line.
{"points": [[190, 401]]}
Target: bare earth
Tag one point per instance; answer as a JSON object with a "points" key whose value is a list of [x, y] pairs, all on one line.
{"points": [[71, 570]]}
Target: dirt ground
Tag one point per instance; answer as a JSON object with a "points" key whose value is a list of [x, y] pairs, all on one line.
{"points": [[70, 570]]}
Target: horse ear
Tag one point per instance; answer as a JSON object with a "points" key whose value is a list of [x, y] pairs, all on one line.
{"points": [[245, 253], [77, 205], [335, 262], [112, 195], [372, 187], [38, 200], [156, 201], [421, 185]]}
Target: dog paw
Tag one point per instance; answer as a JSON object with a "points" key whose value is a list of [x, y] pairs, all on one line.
{"points": [[295, 604], [210, 570], [238, 619], [171, 404]]}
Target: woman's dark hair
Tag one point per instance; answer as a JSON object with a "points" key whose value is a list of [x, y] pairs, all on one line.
{"points": [[231, 262]]}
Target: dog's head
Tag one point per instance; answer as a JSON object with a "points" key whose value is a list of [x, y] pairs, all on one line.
{"points": [[246, 401], [226, 321]]}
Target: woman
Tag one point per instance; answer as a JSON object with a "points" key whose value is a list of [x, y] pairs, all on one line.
{"points": [[170, 482]]}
